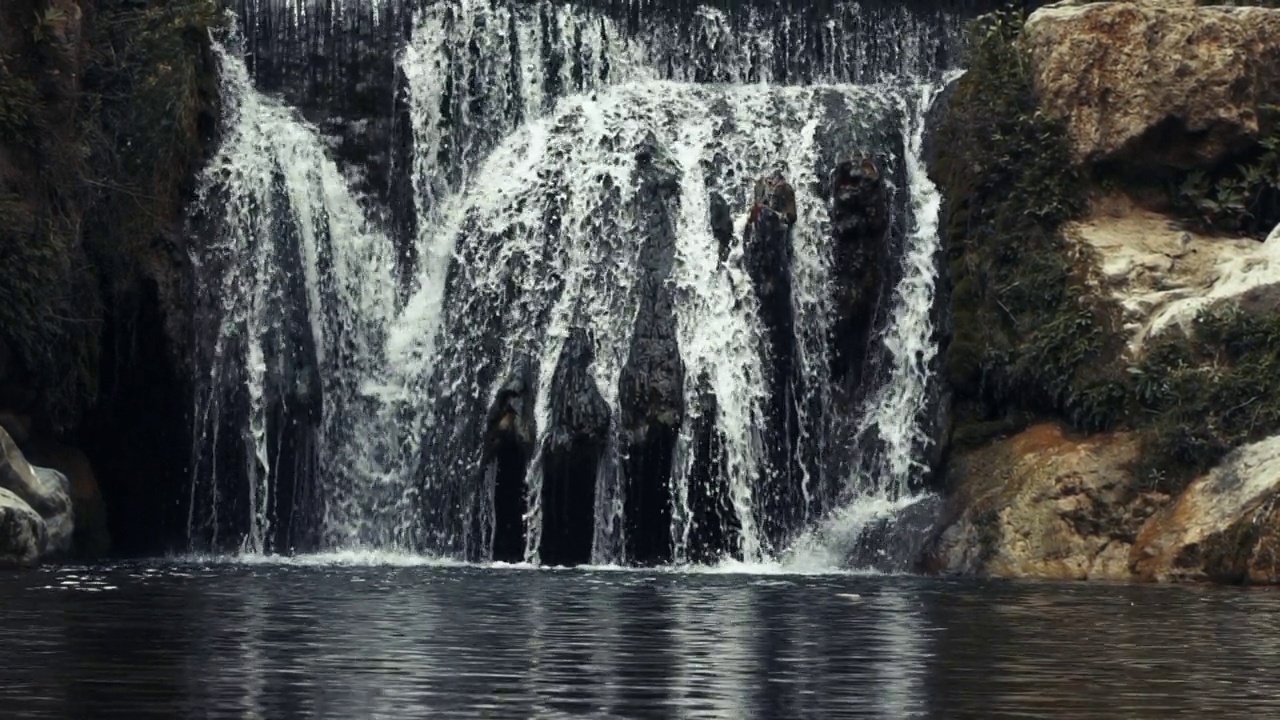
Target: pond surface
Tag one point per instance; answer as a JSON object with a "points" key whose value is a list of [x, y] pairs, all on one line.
{"points": [[312, 638]]}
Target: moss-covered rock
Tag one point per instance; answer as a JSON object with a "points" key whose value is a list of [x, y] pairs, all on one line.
{"points": [[1029, 335], [1060, 314], [105, 111]]}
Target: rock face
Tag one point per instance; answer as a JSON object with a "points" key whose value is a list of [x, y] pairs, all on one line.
{"points": [[651, 385], [1156, 85], [767, 256], [859, 220], [32, 492], [1044, 505], [1225, 527], [577, 436], [1162, 274], [22, 532]]}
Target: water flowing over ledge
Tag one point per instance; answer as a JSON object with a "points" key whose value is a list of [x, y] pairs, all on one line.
{"points": [[573, 351]]}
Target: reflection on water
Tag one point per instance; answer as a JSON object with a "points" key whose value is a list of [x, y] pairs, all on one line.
{"points": [[350, 641]]}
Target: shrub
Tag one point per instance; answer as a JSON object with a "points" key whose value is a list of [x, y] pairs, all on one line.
{"points": [[1027, 333]]}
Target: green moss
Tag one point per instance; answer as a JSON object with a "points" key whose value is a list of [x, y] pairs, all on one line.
{"points": [[147, 90], [18, 101], [109, 130], [1027, 335], [1201, 396]]}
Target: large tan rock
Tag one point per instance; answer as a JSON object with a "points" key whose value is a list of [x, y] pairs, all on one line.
{"points": [[1156, 84], [1044, 504], [1225, 527]]}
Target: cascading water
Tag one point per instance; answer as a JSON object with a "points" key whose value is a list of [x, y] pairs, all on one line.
{"points": [[597, 337]]}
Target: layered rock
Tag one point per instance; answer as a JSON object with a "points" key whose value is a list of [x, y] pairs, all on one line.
{"points": [[1225, 527], [1044, 504], [1156, 84]]}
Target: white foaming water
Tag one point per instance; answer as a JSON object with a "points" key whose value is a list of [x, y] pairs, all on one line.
{"points": [[270, 179], [529, 228], [895, 409]]}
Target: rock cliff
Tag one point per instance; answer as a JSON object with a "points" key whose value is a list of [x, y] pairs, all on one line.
{"points": [[1115, 360], [106, 111]]}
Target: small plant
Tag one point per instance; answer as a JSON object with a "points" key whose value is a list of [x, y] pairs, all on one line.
{"points": [[1242, 197], [1200, 395], [49, 24], [1028, 335]]}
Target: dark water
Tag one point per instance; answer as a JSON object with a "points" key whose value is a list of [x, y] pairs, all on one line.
{"points": [[272, 641]]}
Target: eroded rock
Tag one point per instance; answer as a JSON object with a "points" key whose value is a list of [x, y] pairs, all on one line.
{"points": [[577, 435], [47, 494], [651, 384], [1156, 85], [1043, 504], [1225, 527]]}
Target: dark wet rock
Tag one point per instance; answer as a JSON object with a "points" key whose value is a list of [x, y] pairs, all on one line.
{"points": [[577, 437], [767, 254], [651, 387], [895, 542], [713, 524], [510, 429], [721, 225], [859, 223]]}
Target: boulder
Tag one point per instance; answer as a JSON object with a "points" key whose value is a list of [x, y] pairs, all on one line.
{"points": [[1156, 85], [1043, 504], [22, 533], [47, 493], [1225, 527], [60, 526], [92, 537]]}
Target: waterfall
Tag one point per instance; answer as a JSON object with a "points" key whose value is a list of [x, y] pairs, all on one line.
{"points": [[572, 324]]}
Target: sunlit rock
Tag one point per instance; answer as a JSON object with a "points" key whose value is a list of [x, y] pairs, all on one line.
{"points": [[1156, 84], [1044, 504], [1225, 527]]}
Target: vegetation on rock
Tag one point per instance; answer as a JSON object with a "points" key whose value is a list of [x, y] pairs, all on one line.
{"points": [[103, 114], [1034, 337], [1242, 197], [1029, 336], [1203, 395]]}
